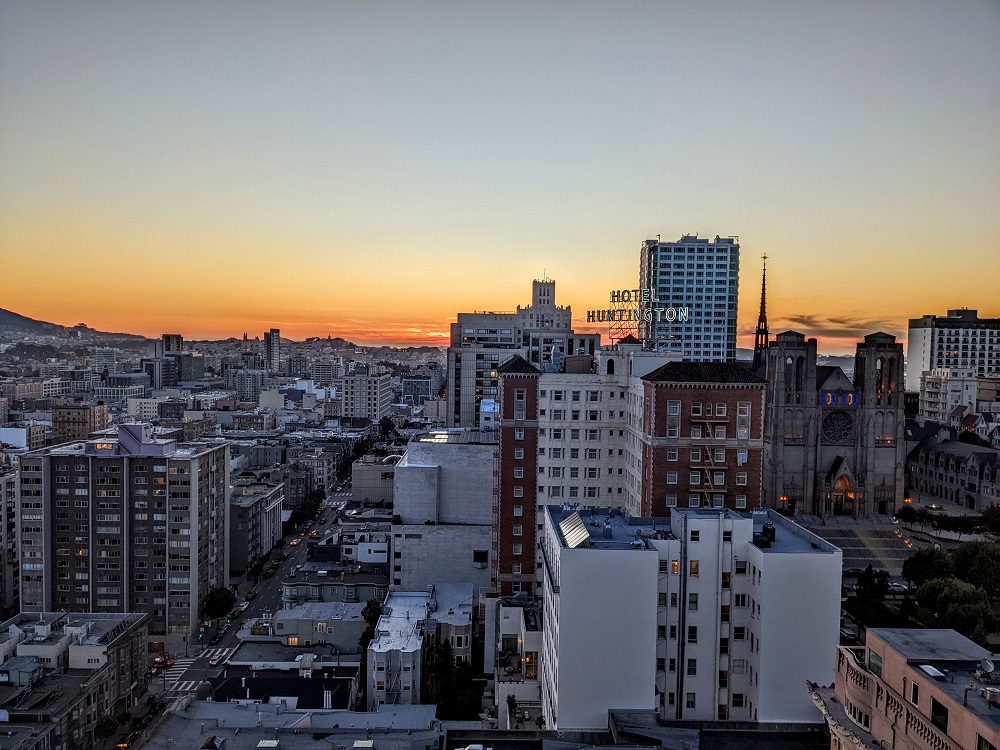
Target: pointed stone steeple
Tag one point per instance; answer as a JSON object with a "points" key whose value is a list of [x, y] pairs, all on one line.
{"points": [[760, 337]]}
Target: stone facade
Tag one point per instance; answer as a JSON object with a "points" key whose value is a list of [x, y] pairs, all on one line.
{"points": [[833, 446]]}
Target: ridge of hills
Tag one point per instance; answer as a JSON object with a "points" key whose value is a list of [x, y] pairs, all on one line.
{"points": [[13, 323]]}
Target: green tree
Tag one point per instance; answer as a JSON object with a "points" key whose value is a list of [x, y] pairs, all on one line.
{"points": [[870, 586], [105, 727], [371, 613], [220, 601], [511, 704], [926, 565], [978, 563], [907, 514], [973, 439], [991, 517], [439, 679], [951, 604], [386, 429]]}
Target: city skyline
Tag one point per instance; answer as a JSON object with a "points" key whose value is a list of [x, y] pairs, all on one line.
{"points": [[370, 171]]}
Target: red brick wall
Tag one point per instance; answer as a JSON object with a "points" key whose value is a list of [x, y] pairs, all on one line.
{"points": [[511, 421], [659, 462]]}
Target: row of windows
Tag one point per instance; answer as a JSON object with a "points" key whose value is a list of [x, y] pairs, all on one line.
{"points": [[713, 477], [711, 454], [695, 501], [593, 415], [575, 395], [706, 409]]}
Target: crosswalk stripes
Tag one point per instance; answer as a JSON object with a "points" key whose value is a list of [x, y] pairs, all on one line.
{"points": [[179, 668], [187, 686], [218, 653]]}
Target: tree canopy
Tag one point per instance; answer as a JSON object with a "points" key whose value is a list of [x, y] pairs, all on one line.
{"points": [[978, 563], [219, 602], [964, 608], [926, 565], [872, 586]]}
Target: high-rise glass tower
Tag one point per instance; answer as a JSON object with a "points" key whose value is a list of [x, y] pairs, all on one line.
{"points": [[272, 350], [695, 286]]}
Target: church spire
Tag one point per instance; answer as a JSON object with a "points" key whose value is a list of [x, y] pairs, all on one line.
{"points": [[760, 337]]}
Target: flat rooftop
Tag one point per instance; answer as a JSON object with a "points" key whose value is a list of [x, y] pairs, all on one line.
{"points": [[931, 645], [612, 528], [456, 436], [454, 603], [346, 611], [400, 628], [605, 528], [242, 727], [331, 572], [257, 652], [952, 661], [789, 536]]}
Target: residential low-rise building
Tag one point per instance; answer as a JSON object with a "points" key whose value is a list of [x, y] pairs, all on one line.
{"points": [[329, 582], [61, 673], [955, 472], [913, 689], [337, 624], [411, 621], [395, 654]]}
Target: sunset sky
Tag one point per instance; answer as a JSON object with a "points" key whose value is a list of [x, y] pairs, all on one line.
{"points": [[368, 169]]}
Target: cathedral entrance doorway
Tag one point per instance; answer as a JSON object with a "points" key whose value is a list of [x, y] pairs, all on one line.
{"points": [[843, 497]]}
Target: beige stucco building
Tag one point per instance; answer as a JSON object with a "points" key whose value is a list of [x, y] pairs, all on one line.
{"points": [[913, 689]]}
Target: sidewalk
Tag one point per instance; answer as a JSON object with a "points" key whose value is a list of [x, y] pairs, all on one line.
{"points": [[936, 505]]}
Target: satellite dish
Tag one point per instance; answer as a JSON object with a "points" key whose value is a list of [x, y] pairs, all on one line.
{"points": [[986, 665]]}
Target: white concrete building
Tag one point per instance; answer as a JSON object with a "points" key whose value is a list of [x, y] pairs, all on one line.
{"points": [[708, 615], [366, 543], [395, 655], [489, 413], [961, 340], [443, 495], [942, 389], [702, 277]]}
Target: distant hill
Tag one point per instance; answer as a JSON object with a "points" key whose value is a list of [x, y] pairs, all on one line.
{"points": [[13, 324]]}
